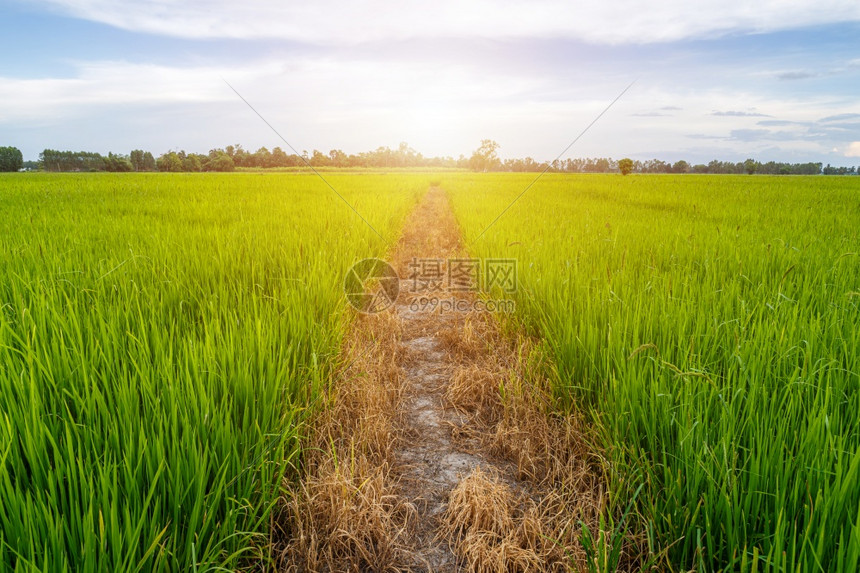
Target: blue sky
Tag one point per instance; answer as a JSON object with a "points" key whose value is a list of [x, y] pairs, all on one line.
{"points": [[777, 80]]}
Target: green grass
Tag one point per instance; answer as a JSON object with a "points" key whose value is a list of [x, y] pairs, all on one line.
{"points": [[710, 326], [161, 339]]}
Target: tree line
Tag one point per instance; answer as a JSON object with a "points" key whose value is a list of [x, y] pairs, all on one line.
{"points": [[484, 158], [235, 156], [750, 167]]}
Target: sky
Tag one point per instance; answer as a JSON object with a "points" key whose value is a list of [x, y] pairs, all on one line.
{"points": [[712, 79]]}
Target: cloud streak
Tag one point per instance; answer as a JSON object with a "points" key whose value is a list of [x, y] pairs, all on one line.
{"points": [[739, 114], [332, 22], [796, 75], [111, 84]]}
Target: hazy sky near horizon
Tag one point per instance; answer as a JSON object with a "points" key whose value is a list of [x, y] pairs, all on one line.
{"points": [[774, 80]]}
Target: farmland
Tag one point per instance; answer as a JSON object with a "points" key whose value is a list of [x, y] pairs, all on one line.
{"points": [[161, 338], [164, 338], [709, 325]]}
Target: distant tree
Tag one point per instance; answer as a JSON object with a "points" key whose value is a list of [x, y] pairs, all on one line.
{"points": [[136, 159], [625, 166], [142, 160], [602, 165], [406, 156], [170, 162], [655, 166], [53, 160], [49, 160], [149, 162], [280, 158], [117, 163], [11, 159], [219, 161], [681, 167], [192, 163], [320, 159], [485, 157], [750, 166], [830, 170], [261, 158], [338, 158]]}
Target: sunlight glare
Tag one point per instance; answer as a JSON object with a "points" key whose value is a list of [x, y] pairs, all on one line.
{"points": [[430, 125]]}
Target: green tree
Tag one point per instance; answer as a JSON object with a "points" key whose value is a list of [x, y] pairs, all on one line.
{"points": [[11, 159], [750, 166], [681, 167], [485, 157], [219, 161], [169, 161], [117, 163], [136, 158], [142, 160], [192, 163], [53, 160], [625, 166], [149, 162]]}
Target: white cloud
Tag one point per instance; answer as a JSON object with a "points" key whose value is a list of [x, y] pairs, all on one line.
{"points": [[337, 22], [324, 102], [853, 149], [109, 83], [315, 102]]}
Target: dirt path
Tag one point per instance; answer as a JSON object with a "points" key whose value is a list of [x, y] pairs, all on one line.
{"points": [[440, 451], [429, 459]]}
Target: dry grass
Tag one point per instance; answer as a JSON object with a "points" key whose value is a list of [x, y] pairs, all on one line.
{"points": [[476, 339], [348, 516], [499, 385], [549, 449], [496, 530], [475, 391]]}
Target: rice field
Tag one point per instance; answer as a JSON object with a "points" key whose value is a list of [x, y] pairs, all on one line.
{"points": [[162, 338], [709, 326]]}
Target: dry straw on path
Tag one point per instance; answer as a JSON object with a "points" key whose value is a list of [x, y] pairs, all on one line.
{"points": [[439, 449]]}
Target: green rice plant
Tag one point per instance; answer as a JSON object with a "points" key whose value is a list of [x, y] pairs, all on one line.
{"points": [[709, 327], [603, 548], [162, 339]]}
